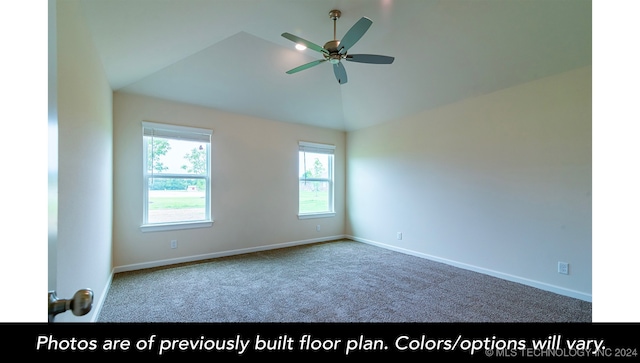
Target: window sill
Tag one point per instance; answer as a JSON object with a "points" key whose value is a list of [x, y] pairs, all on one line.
{"points": [[316, 215], [175, 226]]}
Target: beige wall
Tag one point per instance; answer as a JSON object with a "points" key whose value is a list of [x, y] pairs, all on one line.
{"points": [[85, 149], [500, 183], [254, 185]]}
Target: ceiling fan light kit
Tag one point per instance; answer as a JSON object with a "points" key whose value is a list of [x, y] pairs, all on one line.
{"points": [[335, 51]]}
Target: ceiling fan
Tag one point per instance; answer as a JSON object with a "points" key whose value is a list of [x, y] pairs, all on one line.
{"points": [[334, 51]]}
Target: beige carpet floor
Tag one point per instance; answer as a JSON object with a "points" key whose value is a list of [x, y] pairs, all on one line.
{"points": [[341, 281]]}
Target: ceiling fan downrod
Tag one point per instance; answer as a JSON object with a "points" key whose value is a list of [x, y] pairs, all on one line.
{"points": [[332, 46], [334, 15]]}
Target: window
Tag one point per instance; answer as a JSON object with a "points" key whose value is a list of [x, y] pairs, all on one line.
{"points": [[177, 177], [315, 180]]}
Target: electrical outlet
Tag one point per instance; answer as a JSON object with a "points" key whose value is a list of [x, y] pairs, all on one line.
{"points": [[563, 268], [318, 228], [174, 243], [399, 235]]}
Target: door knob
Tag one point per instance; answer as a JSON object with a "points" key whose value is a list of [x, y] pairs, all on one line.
{"points": [[79, 305]]}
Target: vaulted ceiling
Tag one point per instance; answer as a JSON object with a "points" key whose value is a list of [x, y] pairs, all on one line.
{"points": [[230, 55]]}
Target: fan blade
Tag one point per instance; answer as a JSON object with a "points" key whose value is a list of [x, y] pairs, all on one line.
{"points": [[340, 72], [370, 58], [305, 66], [354, 34], [305, 42]]}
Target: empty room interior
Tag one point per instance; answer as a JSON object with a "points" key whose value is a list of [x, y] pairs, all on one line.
{"points": [[457, 133]]}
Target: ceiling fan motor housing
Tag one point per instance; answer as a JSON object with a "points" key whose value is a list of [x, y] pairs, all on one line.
{"points": [[332, 47]]}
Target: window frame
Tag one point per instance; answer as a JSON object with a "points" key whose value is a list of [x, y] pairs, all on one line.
{"points": [[313, 147], [176, 132]]}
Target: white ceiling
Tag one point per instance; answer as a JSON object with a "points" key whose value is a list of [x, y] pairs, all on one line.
{"points": [[230, 55]]}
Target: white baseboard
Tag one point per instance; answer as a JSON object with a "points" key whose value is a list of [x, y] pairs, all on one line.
{"points": [[173, 261], [97, 306], [501, 275]]}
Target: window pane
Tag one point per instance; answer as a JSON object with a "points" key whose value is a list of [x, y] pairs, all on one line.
{"points": [[176, 156], [314, 165], [314, 197], [176, 200]]}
